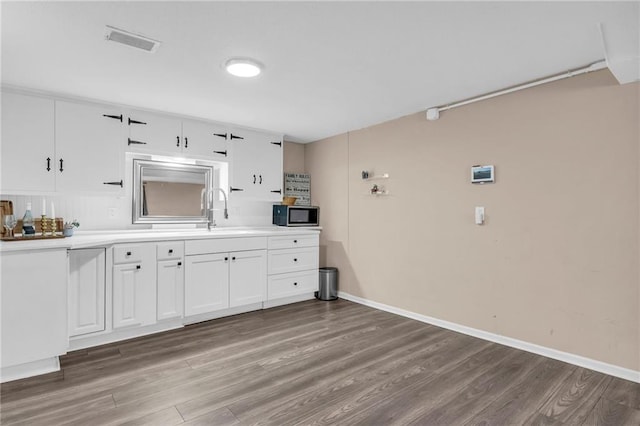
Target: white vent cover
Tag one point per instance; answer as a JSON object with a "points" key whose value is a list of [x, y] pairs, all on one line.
{"points": [[132, 40]]}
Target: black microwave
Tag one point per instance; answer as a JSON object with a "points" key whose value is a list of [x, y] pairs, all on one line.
{"points": [[296, 215]]}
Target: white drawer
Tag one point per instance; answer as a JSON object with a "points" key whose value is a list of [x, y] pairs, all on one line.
{"points": [[128, 253], [295, 283], [222, 245], [293, 241], [292, 260], [170, 250]]}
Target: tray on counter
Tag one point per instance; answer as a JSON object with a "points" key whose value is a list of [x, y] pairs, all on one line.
{"points": [[36, 237]]}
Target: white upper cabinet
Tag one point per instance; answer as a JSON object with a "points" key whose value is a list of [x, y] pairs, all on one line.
{"points": [[257, 166], [205, 140], [149, 132], [89, 155], [27, 148]]}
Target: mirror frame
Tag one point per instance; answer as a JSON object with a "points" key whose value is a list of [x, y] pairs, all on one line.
{"points": [[140, 165]]}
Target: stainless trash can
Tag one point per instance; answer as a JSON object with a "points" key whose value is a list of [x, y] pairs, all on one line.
{"points": [[328, 284]]}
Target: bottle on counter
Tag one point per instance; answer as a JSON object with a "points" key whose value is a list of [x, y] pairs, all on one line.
{"points": [[28, 228]]}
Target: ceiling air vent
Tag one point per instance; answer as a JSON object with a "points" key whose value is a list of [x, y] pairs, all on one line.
{"points": [[132, 40]]}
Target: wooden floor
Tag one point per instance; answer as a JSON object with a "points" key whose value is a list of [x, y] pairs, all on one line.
{"points": [[317, 363]]}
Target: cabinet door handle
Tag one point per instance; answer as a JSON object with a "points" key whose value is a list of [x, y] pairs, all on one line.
{"points": [[232, 189], [233, 258], [235, 137], [260, 179], [220, 135], [277, 143], [115, 117], [254, 179], [137, 266], [186, 142], [128, 253], [221, 152], [295, 260], [114, 183], [61, 163], [295, 241], [295, 283], [277, 191], [177, 140], [179, 263], [132, 142], [170, 251], [48, 164], [135, 121], [226, 258]]}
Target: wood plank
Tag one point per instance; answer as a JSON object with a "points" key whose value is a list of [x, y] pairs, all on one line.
{"points": [[574, 399], [520, 404], [623, 392], [610, 413]]}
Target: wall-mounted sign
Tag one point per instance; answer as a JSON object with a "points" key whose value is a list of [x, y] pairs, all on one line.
{"points": [[298, 185], [482, 174]]}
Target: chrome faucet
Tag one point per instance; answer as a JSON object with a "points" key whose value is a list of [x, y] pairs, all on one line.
{"points": [[211, 221]]}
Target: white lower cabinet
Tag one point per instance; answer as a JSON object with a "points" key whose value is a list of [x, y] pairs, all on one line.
{"points": [[170, 273], [247, 277], [33, 307], [292, 284], [86, 291], [222, 280], [293, 266], [134, 285], [206, 283], [170, 289]]}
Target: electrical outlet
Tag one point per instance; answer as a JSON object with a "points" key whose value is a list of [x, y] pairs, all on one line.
{"points": [[112, 212]]}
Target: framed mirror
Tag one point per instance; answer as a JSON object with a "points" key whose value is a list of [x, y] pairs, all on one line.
{"points": [[167, 192]]}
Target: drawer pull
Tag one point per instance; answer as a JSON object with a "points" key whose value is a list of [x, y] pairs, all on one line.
{"points": [[137, 266], [233, 258], [295, 283], [295, 260], [295, 241], [170, 251], [226, 258], [179, 263], [128, 253]]}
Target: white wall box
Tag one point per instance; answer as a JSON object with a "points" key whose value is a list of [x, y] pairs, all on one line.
{"points": [[62, 146], [28, 148], [150, 132], [170, 273], [86, 291], [159, 134], [134, 285], [34, 311], [88, 155], [205, 140], [257, 166]]}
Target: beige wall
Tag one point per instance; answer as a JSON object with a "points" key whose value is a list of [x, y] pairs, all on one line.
{"points": [[556, 263], [293, 158]]}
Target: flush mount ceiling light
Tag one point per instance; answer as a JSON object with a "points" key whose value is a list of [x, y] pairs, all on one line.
{"points": [[243, 67], [130, 39]]}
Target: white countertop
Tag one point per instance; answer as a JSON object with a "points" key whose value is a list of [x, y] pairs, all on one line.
{"points": [[86, 239]]}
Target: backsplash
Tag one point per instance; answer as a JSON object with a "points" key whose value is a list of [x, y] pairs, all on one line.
{"points": [[114, 213]]}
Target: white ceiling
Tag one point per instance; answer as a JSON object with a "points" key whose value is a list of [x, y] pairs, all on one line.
{"points": [[330, 67]]}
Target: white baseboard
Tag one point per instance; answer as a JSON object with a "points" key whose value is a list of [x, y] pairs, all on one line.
{"points": [[592, 364], [35, 368]]}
